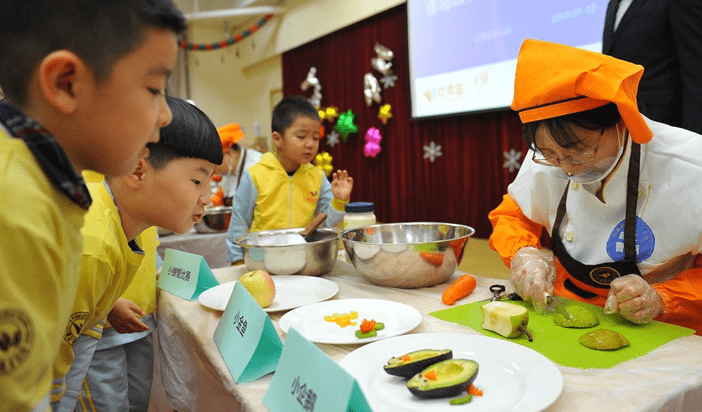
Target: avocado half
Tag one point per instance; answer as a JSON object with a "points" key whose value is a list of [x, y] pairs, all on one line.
{"points": [[452, 377], [418, 361], [581, 318]]}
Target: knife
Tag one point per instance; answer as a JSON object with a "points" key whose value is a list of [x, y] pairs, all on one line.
{"points": [[554, 303]]}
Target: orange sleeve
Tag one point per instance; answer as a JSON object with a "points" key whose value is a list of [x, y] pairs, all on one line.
{"points": [[512, 230], [682, 298]]}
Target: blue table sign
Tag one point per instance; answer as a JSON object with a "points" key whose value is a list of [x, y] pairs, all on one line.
{"points": [[246, 338], [307, 380], [185, 274]]}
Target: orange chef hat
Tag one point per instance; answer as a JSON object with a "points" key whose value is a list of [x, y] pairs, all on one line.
{"points": [[554, 80], [229, 135]]}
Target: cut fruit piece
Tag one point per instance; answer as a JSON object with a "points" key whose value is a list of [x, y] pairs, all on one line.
{"points": [[414, 362], [506, 319], [580, 318], [461, 401], [603, 339], [444, 379], [360, 334]]}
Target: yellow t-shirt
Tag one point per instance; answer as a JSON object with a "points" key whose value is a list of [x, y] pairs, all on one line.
{"points": [[107, 268], [92, 177], [40, 249], [142, 290]]}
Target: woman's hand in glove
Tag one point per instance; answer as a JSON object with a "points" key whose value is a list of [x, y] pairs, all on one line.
{"points": [[533, 273], [634, 299]]}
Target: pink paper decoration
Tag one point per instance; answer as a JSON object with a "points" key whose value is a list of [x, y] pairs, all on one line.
{"points": [[373, 138]]}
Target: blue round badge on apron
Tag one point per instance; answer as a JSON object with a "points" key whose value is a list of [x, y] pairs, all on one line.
{"points": [[645, 241]]}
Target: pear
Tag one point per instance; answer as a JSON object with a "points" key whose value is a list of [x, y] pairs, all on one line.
{"points": [[506, 319]]}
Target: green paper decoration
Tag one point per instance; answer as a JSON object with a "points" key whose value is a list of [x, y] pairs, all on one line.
{"points": [[345, 124]]}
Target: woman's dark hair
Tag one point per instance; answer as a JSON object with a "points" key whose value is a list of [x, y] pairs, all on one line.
{"points": [[190, 134], [289, 109], [561, 128]]}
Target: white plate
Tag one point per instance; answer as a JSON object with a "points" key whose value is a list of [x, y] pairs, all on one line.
{"points": [[309, 320], [512, 377], [290, 292]]}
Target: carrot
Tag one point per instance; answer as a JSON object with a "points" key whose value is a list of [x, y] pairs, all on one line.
{"points": [[459, 289], [472, 390], [434, 258], [431, 375], [406, 358], [367, 325]]}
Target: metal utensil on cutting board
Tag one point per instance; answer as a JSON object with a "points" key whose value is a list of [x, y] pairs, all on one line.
{"points": [[497, 291], [554, 303]]}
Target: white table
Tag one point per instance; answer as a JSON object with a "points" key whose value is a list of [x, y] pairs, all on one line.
{"points": [[197, 379]]}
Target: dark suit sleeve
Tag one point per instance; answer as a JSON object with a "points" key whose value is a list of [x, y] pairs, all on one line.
{"points": [[686, 23]]}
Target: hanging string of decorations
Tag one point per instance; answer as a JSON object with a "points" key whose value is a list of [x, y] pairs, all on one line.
{"points": [[230, 39]]}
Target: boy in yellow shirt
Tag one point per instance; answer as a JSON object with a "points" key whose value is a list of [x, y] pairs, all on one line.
{"points": [[83, 83], [169, 189], [283, 189], [120, 373]]}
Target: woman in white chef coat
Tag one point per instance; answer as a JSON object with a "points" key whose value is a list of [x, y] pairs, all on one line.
{"points": [[236, 158], [621, 195]]}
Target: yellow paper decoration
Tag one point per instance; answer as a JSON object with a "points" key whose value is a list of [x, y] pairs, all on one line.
{"points": [[324, 162], [384, 113], [331, 113]]}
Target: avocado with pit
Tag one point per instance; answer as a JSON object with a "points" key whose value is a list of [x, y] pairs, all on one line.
{"points": [[581, 318], [414, 362], [443, 379], [603, 339]]}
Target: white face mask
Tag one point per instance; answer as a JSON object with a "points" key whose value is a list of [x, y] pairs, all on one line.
{"points": [[596, 172]]}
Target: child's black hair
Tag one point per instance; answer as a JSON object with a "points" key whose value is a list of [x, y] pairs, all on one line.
{"points": [[289, 109], [190, 134], [98, 31]]}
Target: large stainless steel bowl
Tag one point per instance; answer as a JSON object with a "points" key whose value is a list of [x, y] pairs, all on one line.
{"points": [[407, 255], [313, 258], [216, 220]]}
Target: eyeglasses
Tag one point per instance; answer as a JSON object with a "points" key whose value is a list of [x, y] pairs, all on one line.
{"points": [[576, 159]]}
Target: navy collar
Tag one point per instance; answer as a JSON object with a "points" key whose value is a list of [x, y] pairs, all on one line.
{"points": [[48, 153]]}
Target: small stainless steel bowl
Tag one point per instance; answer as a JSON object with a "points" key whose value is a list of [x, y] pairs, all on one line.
{"points": [[311, 258], [216, 220], [407, 255]]}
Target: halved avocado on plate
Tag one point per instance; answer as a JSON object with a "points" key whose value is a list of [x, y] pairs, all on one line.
{"points": [[412, 363], [444, 379]]}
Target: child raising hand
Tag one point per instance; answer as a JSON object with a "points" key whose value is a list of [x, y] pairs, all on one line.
{"points": [[284, 190], [341, 185]]}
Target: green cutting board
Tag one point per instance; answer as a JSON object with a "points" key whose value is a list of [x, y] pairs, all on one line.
{"points": [[561, 344]]}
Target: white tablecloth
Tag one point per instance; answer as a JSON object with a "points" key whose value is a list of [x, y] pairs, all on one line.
{"points": [[196, 378], [211, 246]]}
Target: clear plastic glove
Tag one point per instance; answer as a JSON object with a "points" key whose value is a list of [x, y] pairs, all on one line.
{"points": [[634, 299], [533, 273]]}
